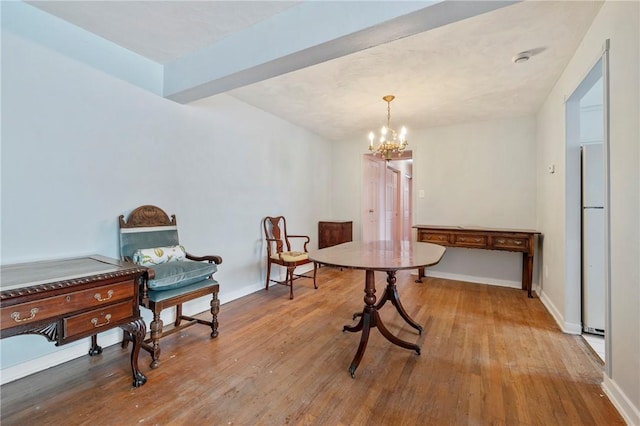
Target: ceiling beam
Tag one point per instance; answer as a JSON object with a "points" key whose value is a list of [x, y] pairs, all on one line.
{"points": [[300, 37]]}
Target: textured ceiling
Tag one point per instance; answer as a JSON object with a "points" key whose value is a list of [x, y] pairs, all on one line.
{"points": [[163, 30], [459, 72]]}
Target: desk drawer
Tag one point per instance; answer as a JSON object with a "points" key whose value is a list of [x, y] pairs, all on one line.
{"points": [[470, 240], [51, 307], [511, 243], [100, 296], [433, 237], [97, 320]]}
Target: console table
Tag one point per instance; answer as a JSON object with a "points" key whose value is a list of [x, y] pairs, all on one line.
{"points": [[518, 240], [69, 299]]}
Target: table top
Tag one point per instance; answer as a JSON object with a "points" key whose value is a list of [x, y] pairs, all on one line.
{"points": [[380, 255], [50, 271]]}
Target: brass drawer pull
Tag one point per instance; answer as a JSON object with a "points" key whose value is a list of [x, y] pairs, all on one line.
{"points": [[16, 315], [99, 298], [94, 321], [517, 242], [502, 241]]}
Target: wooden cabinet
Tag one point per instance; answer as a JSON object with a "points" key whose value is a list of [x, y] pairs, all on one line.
{"points": [[331, 233], [69, 299], [519, 240]]}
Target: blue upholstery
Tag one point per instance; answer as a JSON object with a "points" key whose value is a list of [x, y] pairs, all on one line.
{"points": [[173, 275], [159, 296], [142, 238]]}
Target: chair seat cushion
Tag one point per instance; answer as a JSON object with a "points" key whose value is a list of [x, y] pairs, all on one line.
{"points": [[209, 285], [172, 275], [291, 256]]}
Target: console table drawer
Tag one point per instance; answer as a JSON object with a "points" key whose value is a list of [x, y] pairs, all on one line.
{"points": [[430, 237], [93, 321], [512, 243], [470, 240], [25, 313], [101, 295]]}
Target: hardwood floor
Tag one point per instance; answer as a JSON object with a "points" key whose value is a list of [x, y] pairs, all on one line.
{"points": [[489, 355]]}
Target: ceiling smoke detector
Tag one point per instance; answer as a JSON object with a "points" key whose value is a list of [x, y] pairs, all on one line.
{"points": [[521, 57]]}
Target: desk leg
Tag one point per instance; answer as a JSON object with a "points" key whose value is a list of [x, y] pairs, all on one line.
{"points": [[137, 331], [527, 273], [420, 275], [370, 319]]}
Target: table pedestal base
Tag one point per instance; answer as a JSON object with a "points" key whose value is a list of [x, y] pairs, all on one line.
{"points": [[370, 318], [391, 294]]}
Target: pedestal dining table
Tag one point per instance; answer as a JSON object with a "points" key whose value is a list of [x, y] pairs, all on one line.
{"points": [[389, 257]]}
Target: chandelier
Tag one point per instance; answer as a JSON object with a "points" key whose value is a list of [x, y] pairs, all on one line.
{"points": [[390, 142]]}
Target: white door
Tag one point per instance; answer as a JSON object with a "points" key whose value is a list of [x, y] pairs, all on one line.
{"points": [[406, 208], [392, 204], [373, 199]]}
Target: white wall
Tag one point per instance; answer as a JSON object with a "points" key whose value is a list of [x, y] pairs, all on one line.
{"points": [[619, 22], [79, 148], [472, 174]]}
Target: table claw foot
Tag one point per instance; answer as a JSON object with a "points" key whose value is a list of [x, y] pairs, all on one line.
{"points": [[352, 371], [139, 379], [95, 350]]}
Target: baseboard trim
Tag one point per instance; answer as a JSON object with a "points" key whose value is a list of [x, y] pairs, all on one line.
{"points": [[629, 412], [473, 279], [566, 327]]}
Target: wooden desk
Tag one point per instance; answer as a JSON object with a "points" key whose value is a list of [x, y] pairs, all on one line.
{"points": [[518, 240], [388, 256], [66, 300]]}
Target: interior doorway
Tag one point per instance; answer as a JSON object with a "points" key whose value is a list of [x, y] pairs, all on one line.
{"points": [[587, 219], [387, 198]]}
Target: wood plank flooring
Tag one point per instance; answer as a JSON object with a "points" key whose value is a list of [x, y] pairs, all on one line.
{"points": [[489, 355]]}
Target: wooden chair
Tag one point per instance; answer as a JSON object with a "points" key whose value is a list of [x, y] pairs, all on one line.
{"points": [[174, 277], [279, 252]]}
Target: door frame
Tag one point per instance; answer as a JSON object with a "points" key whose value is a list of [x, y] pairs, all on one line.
{"points": [[572, 290], [400, 223]]}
